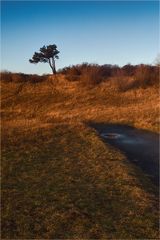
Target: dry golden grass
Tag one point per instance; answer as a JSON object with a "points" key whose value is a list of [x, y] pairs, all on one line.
{"points": [[68, 101], [59, 180]]}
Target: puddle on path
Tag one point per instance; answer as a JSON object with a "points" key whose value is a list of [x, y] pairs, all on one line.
{"points": [[126, 139]]}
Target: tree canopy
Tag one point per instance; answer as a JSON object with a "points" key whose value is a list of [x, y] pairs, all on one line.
{"points": [[47, 54]]}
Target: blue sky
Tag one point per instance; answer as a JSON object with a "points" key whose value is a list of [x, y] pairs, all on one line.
{"points": [[112, 32]]}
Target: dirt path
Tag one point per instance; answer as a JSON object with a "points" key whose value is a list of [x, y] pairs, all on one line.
{"points": [[140, 146]]}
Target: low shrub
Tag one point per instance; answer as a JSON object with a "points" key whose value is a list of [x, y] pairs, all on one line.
{"points": [[36, 78], [21, 77], [146, 75], [73, 74], [91, 76], [6, 76], [143, 77]]}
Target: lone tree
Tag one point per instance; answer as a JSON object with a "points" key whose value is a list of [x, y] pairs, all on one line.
{"points": [[48, 54]]}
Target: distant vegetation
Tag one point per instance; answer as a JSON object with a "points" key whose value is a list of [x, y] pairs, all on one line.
{"points": [[21, 77], [125, 78]]}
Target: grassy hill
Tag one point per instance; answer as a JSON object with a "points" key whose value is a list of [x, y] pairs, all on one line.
{"points": [[59, 180]]}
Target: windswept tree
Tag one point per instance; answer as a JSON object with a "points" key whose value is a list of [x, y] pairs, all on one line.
{"points": [[47, 54]]}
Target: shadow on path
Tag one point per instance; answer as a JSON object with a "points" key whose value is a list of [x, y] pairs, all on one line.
{"points": [[140, 146]]}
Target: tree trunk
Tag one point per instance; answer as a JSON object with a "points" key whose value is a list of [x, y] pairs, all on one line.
{"points": [[52, 66], [53, 70]]}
